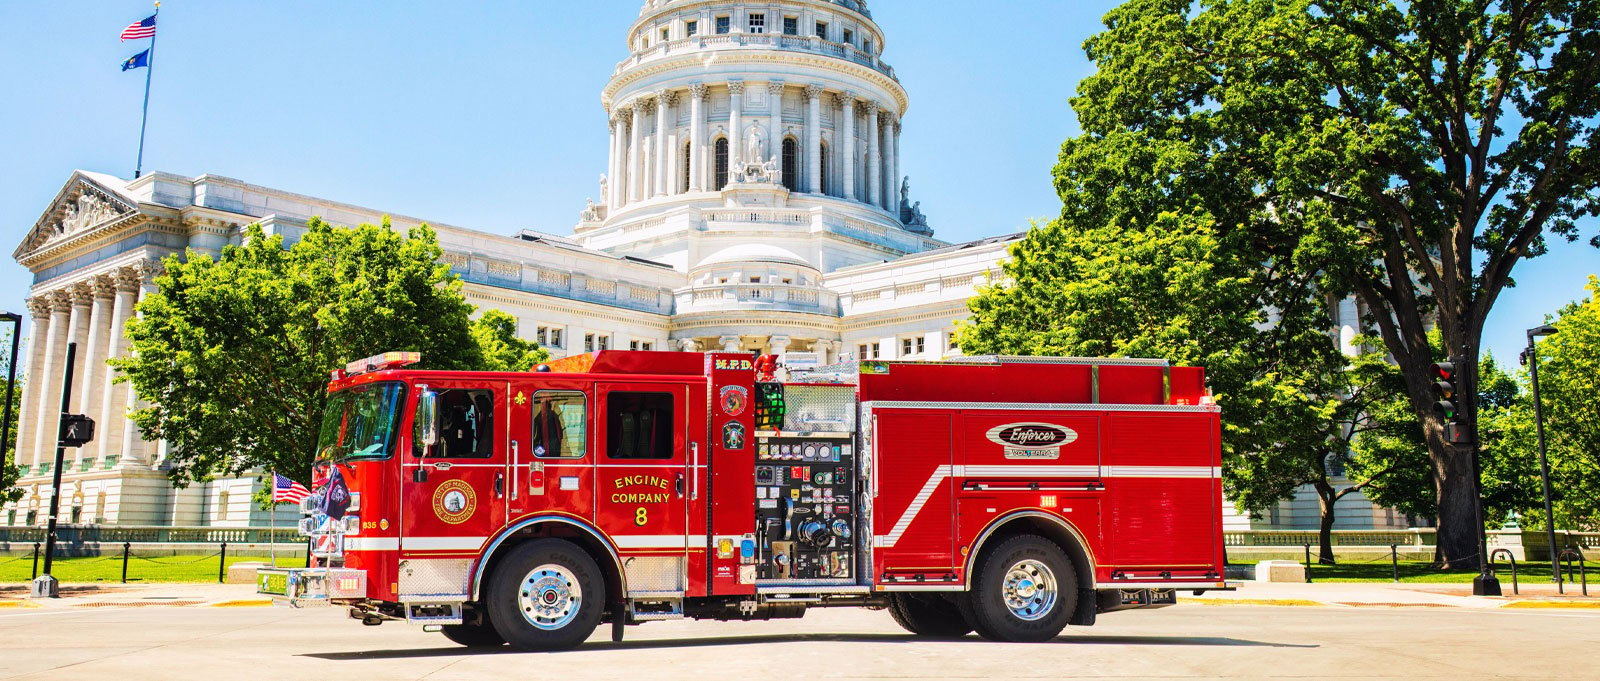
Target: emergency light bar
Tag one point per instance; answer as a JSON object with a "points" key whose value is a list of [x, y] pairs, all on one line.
{"points": [[387, 360]]}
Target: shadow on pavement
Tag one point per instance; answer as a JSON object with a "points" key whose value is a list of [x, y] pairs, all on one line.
{"points": [[646, 644]]}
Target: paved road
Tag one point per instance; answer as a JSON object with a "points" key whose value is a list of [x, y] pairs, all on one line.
{"points": [[1181, 642]]}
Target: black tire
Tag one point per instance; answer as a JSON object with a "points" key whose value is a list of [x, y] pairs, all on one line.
{"points": [[566, 597], [1036, 618], [473, 635], [928, 615]]}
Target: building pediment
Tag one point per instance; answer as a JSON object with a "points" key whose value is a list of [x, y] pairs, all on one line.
{"points": [[83, 205]]}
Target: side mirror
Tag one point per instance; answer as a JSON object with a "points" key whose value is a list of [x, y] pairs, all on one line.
{"points": [[425, 422]]}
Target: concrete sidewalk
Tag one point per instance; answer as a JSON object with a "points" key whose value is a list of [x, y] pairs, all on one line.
{"points": [[1321, 594], [1379, 594], [13, 596]]}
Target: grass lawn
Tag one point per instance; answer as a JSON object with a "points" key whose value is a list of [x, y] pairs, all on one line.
{"points": [[1421, 573], [203, 568]]}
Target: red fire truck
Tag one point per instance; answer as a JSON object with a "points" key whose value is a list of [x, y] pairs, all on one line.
{"points": [[1010, 496]]}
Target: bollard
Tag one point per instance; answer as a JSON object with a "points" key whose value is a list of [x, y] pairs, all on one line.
{"points": [[125, 547], [1394, 558], [222, 564], [35, 562], [1308, 563]]}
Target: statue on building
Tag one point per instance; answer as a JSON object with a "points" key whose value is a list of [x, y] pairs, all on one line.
{"points": [[591, 213], [905, 191], [911, 212], [603, 183], [754, 149]]}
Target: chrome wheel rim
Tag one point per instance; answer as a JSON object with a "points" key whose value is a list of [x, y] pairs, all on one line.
{"points": [[1029, 590], [549, 596]]}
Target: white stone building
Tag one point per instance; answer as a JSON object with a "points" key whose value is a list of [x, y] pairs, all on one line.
{"points": [[754, 200]]}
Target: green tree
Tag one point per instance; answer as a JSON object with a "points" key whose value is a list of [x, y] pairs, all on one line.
{"points": [[495, 334], [1569, 383], [1409, 154], [233, 354]]}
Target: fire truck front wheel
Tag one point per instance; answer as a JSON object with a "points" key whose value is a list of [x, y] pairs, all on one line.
{"points": [[547, 594], [1025, 590]]}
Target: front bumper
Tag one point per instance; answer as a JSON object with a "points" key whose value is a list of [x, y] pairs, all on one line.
{"points": [[310, 587]]}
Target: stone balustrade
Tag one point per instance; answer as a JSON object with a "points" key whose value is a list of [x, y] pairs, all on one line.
{"points": [[798, 43]]}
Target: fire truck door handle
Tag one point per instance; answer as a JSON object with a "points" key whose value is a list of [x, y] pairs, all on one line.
{"points": [[516, 472], [694, 471], [680, 485], [499, 485]]}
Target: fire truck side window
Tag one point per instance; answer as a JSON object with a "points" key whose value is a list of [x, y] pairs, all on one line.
{"points": [[639, 426], [560, 425], [466, 425]]}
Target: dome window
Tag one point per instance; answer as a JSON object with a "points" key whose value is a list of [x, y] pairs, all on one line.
{"points": [[849, 37], [723, 25], [758, 23], [791, 25], [692, 28], [822, 30]]}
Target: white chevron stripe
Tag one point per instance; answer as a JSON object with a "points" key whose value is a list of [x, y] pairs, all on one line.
{"points": [[1026, 471]]}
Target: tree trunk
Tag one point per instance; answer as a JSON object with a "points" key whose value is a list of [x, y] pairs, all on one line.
{"points": [[1456, 482], [1326, 498]]}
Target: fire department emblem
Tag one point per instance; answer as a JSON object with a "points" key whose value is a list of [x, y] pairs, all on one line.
{"points": [[454, 501], [734, 399], [733, 435], [1032, 440]]}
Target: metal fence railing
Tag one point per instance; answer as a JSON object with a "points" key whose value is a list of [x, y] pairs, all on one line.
{"points": [[117, 534]]}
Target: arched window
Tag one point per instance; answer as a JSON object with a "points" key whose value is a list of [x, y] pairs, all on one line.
{"points": [[722, 163], [683, 169], [791, 164], [822, 182]]}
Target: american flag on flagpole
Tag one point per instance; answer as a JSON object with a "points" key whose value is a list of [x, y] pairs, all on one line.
{"points": [[284, 489], [140, 29]]}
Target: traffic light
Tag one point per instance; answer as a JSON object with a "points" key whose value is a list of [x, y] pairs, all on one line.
{"points": [[1444, 401]]}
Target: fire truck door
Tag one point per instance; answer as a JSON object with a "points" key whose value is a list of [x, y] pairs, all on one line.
{"points": [[454, 490], [551, 458], [643, 480]]}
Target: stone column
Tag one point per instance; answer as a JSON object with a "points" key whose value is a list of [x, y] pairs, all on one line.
{"points": [[115, 408], [82, 298], [94, 360], [133, 442], [778, 346], [663, 159], [635, 152], [49, 380], [847, 144], [735, 133], [28, 418], [874, 158], [612, 176], [697, 136], [814, 139], [729, 343], [891, 184], [775, 113]]}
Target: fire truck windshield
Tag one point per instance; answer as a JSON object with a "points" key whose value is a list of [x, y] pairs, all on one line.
{"points": [[361, 422]]}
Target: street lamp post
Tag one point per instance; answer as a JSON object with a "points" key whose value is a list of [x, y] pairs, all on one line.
{"points": [[1531, 356]]}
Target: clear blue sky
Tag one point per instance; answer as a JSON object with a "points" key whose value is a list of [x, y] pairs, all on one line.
{"points": [[487, 114]]}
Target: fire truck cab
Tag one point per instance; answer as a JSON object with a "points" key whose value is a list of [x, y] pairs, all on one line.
{"points": [[1010, 496]]}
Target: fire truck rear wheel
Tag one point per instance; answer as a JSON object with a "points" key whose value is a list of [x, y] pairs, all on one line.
{"points": [[473, 635], [547, 594], [1025, 591], [928, 615]]}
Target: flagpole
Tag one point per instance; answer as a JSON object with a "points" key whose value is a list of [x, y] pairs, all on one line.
{"points": [[144, 116]]}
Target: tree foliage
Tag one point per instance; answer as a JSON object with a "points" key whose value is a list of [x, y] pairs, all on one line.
{"points": [[232, 356], [495, 334], [1569, 382], [1409, 154]]}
